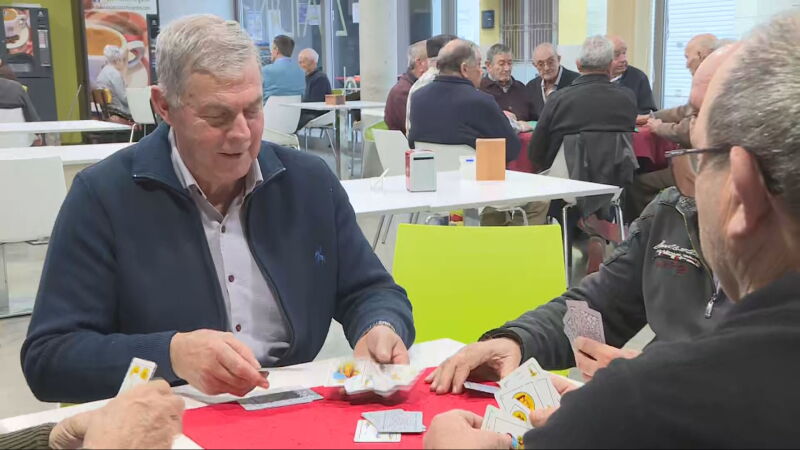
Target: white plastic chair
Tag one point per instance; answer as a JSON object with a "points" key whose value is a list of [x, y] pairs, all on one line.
{"points": [[324, 123], [392, 146], [32, 191], [13, 140], [447, 156], [280, 122], [140, 107]]}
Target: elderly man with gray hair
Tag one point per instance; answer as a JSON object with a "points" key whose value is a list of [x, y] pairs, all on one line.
{"points": [[112, 77], [396, 101], [590, 103], [717, 390], [317, 84], [203, 248]]}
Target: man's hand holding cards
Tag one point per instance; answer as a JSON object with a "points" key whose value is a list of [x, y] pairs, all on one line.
{"points": [[359, 376]]}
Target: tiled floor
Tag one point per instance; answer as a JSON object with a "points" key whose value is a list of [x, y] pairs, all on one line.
{"points": [[24, 266]]}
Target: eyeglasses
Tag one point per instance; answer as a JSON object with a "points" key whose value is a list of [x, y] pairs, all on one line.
{"points": [[552, 62], [685, 165]]}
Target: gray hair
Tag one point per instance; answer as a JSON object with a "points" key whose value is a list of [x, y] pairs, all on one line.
{"points": [[496, 49], [457, 52], [113, 54], [309, 53], [416, 51], [757, 107], [201, 43], [596, 54]]}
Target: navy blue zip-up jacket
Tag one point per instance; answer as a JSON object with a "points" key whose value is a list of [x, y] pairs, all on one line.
{"points": [[128, 266], [452, 111]]}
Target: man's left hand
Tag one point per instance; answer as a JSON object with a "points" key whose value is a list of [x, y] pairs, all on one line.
{"points": [[382, 345], [462, 429], [653, 123], [591, 356]]}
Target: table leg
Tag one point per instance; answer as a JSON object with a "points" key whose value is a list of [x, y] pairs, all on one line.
{"points": [[378, 233], [338, 125], [4, 303]]}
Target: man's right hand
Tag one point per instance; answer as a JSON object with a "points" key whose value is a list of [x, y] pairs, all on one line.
{"points": [[487, 360], [215, 363], [147, 416]]}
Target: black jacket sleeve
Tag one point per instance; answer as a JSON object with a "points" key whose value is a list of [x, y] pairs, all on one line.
{"points": [[615, 291], [540, 141]]}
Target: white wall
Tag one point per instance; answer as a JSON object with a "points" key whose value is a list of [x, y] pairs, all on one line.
{"points": [[169, 10]]}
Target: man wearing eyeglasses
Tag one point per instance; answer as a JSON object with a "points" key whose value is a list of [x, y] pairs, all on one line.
{"points": [[658, 276], [552, 77], [718, 389]]}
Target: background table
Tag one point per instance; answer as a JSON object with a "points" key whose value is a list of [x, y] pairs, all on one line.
{"points": [[341, 117], [74, 157], [428, 354], [651, 149], [63, 126]]}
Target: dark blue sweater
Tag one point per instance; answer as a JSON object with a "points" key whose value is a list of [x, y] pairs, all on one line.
{"points": [[128, 266], [317, 86], [452, 111]]}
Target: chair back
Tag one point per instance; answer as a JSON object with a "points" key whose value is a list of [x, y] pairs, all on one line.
{"points": [[34, 190], [282, 119], [140, 106], [101, 98], [324, 121], [448, 157], [464, 281], [392, 146], [12, 140]]}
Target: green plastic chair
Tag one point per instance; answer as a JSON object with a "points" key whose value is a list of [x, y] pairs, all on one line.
{"points": [[464, 281]]}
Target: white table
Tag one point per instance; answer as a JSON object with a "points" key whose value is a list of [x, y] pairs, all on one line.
{"points": [[61, 126], [74, 157], [341, 117], [427, 354], [454, 193]]}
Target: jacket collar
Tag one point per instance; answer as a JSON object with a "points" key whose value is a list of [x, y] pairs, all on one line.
{"points": [[452, 79], [491, 82], [409, 75], [314, 72], [591, 78], [152, 160]]}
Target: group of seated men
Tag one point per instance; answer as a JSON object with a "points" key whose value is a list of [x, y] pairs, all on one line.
{"points": [[191, 249]]}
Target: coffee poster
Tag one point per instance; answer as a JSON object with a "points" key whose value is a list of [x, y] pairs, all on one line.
{"points": [[121, 24]]}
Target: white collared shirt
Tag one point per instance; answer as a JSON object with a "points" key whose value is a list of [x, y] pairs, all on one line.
{"points": [[555, 85], [254, 316]]}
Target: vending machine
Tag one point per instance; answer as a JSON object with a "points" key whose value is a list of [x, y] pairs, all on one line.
{"points": [[27, 51]]}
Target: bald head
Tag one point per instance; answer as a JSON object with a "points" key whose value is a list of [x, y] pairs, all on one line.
{"points": [[461, 58], [547, 61], [698, 48], [620, 64], [705, 72], [308, 59]]}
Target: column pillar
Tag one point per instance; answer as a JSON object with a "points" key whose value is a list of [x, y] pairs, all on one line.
{"points": [[378, 48]]}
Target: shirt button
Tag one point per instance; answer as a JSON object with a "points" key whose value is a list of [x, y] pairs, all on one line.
{"points": [[238, 327], [231, 278], [223, 229]]}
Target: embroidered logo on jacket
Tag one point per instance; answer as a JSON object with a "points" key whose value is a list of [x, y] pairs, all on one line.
{"points": [[319, 257], [676, 253]]}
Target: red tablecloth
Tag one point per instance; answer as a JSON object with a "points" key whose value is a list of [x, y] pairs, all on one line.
{"points": [[523, 163], [651, 149], [327, 423]]}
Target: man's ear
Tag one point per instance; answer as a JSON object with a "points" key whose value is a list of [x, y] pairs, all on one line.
{"points": [[160, 103], [749, 193]]}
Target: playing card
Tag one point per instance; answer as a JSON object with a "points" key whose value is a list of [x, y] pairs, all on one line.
{"points": [[361, 376], [533, 394], [525, 372], [365, 432], [580, 320], [279, 398], [520, 411], [140, 371], [485, 388], [396, 421], [500, 422], [343, 370]]}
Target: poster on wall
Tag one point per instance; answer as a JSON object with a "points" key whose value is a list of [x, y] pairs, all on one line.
{"points": [[124, 24]]}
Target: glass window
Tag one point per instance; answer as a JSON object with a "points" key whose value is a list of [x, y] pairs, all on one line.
{"points": [[344, 43], [299, 19]]}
